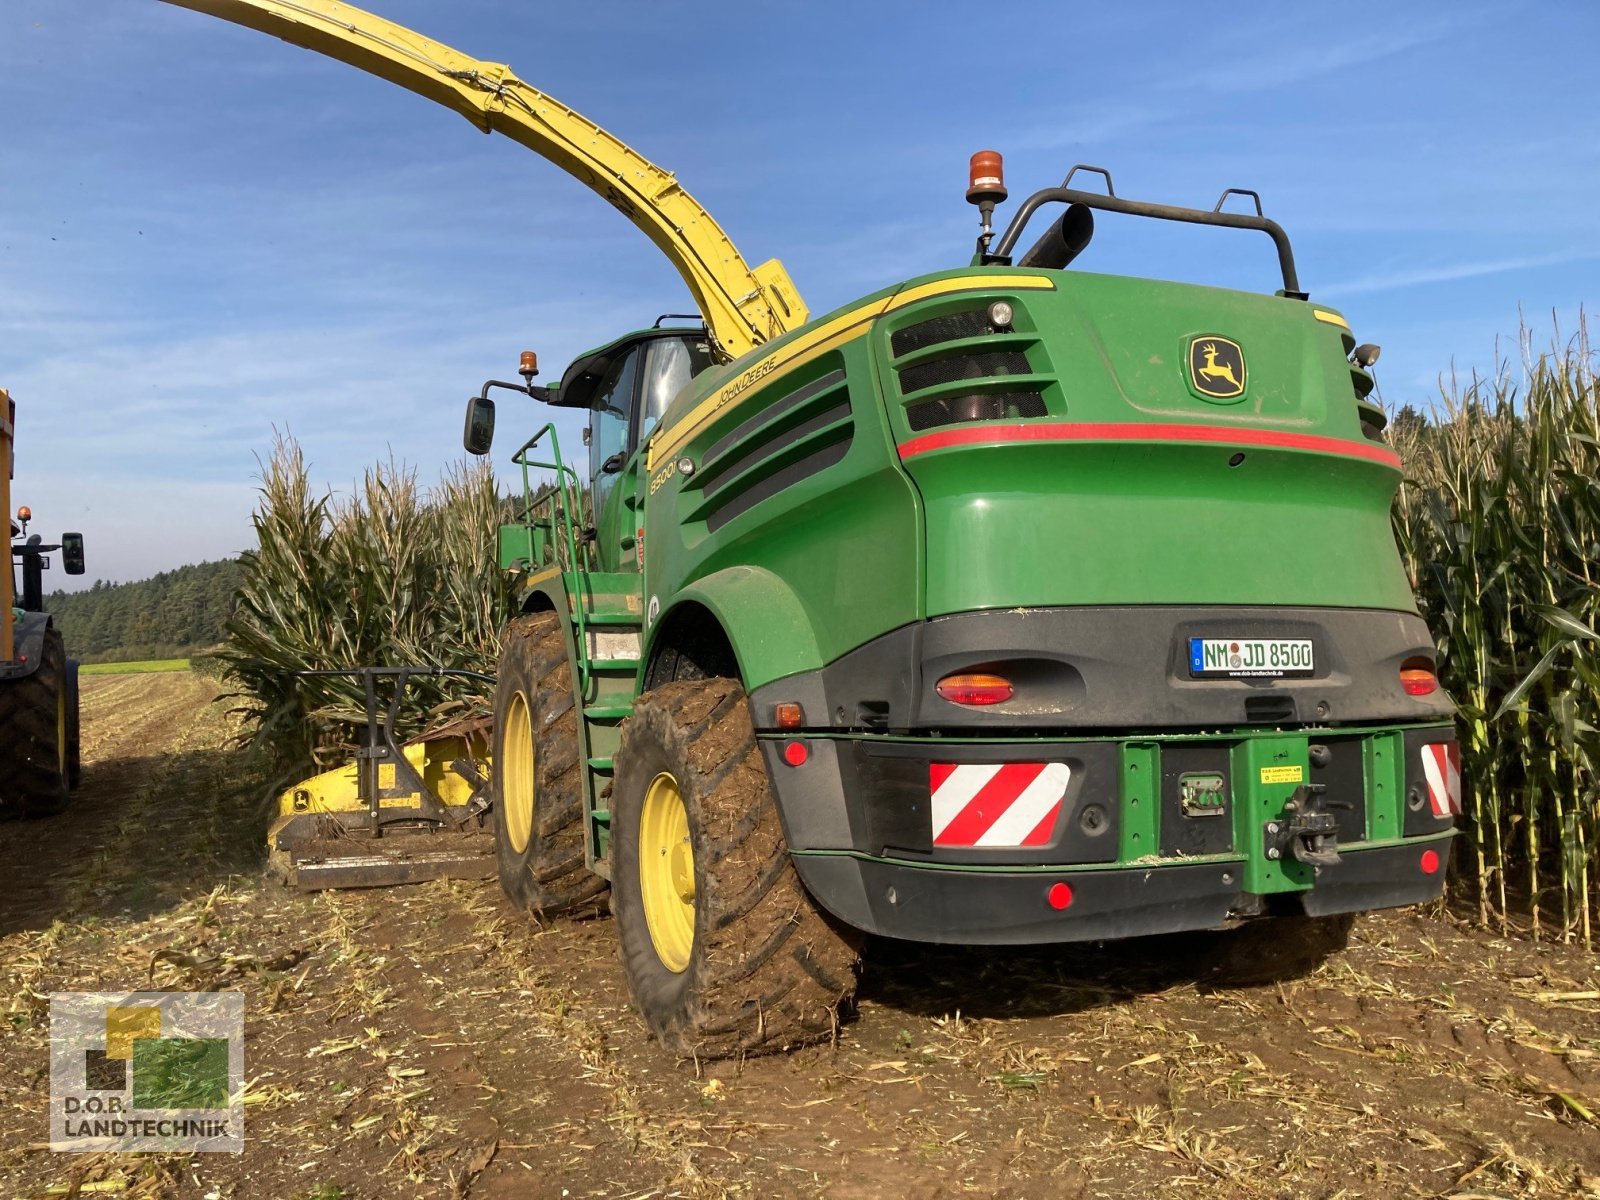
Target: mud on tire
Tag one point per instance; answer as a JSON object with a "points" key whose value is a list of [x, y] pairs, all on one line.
{"points": [[767, 970], [33, 728], [547, 875]]}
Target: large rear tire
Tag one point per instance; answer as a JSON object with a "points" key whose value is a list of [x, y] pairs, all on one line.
{"points": [[724, 951], [34, 729], [537, 783]]}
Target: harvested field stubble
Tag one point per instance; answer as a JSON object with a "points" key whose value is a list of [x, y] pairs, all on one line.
{"points": [[429, 1041]]}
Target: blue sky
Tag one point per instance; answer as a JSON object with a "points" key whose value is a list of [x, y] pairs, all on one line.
{"points": [[206, 234]]}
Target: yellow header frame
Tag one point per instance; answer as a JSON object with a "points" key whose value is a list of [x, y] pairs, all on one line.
{"points": [[743, 306]]}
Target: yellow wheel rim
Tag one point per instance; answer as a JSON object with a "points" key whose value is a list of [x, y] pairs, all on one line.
{"points": [[516, 773], [666, 872]]}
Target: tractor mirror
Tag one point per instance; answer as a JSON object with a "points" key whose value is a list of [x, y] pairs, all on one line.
{"points": [[478, 435], [72, 553]]}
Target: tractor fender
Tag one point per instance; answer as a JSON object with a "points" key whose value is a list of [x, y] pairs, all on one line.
{"points": [[771, 633], [29, 647]]}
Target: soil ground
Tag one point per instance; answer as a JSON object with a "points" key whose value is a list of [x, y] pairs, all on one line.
{"points": [[429, 1041]]}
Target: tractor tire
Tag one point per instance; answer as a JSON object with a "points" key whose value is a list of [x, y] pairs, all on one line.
{"points": [[74, 729], [34, 732], [1276, 949], [537, 783], [724, 952]]}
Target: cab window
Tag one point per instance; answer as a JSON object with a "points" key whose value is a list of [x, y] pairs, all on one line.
{"points": [[611, 413], [670, 365]]}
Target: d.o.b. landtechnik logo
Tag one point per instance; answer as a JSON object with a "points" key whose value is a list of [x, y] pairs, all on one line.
{"points": [[147, 1071]]}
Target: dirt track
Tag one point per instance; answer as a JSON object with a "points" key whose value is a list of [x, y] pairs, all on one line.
{"points": [[428, 1041]]}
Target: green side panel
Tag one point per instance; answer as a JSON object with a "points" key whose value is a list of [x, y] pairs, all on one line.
{"points": [[1141, 802], [1255, 765], [838, 553], [1385, 767]]}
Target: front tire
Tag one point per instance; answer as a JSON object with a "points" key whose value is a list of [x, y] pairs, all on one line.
{"points": [[536, 783], [724, 952]]}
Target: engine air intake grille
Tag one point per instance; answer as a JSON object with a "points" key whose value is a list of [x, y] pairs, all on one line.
{"points": [[947, 328], [970, 366], [990, 406]]}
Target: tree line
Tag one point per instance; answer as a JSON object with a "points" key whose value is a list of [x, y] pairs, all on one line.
{"points": [[169, 615]]}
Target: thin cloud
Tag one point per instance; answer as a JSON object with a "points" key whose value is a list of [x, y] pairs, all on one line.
{"points": [[1416, 277]]}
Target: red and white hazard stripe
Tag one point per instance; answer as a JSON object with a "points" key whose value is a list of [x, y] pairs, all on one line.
{"points": [[1441, 763], [996, 804]]}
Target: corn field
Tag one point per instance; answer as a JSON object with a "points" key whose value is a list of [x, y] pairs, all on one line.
{"points": [[1499, 520], [396, 575]]}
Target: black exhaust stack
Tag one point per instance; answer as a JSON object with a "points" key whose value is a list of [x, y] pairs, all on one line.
{"points": [[1066, 238]]}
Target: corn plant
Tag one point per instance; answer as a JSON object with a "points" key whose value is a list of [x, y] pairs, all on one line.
{"points": [[1499, 519], [395, 575]]}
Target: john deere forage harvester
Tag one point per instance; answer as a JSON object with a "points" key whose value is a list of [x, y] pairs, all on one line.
{"points": [[1011, 603]]}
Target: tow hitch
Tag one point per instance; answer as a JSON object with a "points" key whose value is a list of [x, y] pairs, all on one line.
{"points": [[1307, 831]]}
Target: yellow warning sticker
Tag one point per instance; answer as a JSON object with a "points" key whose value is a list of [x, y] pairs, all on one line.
{"points": [[1295, 774], [386, 775]]}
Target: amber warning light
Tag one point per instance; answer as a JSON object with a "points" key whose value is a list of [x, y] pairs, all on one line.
{"points": [[986, 187], [986, 179], [529, 367]]}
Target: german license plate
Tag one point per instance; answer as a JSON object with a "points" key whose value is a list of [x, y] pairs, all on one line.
{"points": [[1242, 658]]}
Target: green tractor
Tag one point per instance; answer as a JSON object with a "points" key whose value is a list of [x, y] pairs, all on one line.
{"points": [[39, 760], [1010, 604]]}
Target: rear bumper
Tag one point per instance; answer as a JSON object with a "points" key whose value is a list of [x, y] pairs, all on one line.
{"points": [[923, 903], [1123, 801]]}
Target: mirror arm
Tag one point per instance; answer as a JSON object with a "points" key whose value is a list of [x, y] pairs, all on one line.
{"points": [[538, 393]]}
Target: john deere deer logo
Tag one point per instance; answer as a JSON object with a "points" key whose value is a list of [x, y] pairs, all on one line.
{"points": [[1216, 367]]}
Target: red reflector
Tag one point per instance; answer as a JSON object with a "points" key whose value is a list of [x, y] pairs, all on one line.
{"points": [[1417, 677], [795, 754], [974, 689], [1430, 861], [1059, 895], [789, 715]]}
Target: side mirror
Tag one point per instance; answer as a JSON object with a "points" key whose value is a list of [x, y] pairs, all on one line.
{"points": [[72, 553], [478, 435]]}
